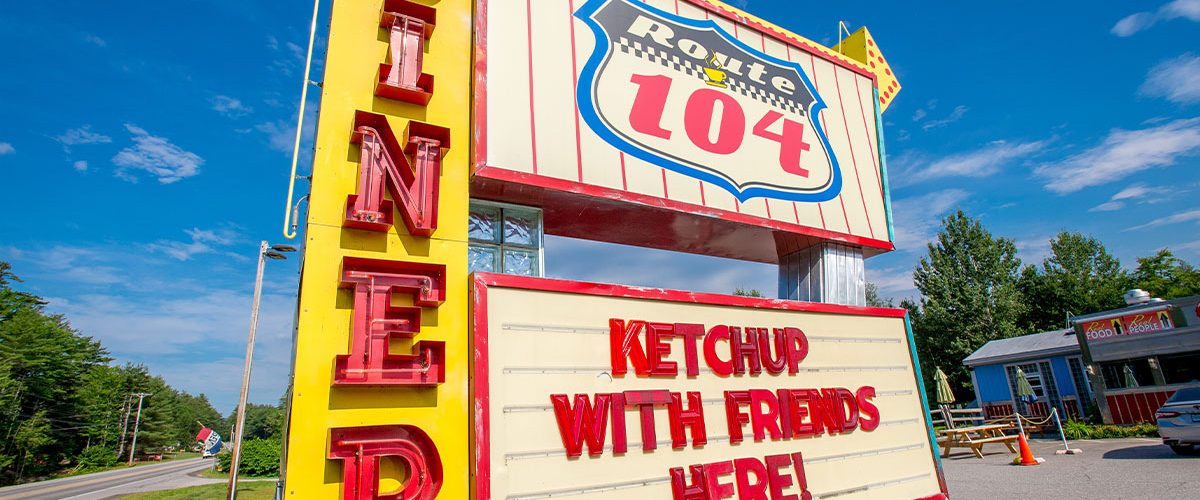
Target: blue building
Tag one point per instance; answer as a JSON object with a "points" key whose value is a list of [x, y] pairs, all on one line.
{"points": [[1053, 363]]}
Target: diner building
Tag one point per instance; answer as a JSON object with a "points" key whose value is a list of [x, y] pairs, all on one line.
{"points": [[1122, 363]]}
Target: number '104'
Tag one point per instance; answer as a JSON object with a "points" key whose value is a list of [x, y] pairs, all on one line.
{"points": [[699, 113]]}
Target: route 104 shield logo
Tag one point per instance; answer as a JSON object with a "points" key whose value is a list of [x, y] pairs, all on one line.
{"points": [[685, 95]]}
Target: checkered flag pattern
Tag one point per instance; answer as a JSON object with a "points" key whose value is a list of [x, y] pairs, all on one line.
{"points": [[744, 87]]}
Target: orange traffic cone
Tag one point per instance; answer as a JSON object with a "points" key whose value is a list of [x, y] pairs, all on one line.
{"points": [[1026, 453]]}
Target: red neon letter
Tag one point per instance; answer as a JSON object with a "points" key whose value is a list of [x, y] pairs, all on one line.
{"points": [[361, 448], [582, 421], [375, 322], [648, 105], [774, 365]]}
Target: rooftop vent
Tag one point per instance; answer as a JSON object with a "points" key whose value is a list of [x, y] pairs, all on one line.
{"points": [[1137, 296]]}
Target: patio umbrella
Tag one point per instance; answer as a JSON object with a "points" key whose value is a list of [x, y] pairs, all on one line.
{"points": [[1024, 390], [945, 396], [1025, 394], [1130, 379]]}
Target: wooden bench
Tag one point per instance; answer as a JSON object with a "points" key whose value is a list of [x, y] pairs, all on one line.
{"points": [[975, 437]]}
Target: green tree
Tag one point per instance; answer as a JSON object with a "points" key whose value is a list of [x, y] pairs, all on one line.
{"points": [[969, 296], [1166, 276], [741, 292], [1079, 277], [263, 421], [10, 299]]}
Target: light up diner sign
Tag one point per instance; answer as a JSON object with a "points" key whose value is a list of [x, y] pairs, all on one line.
{"points": [[583, 389]]}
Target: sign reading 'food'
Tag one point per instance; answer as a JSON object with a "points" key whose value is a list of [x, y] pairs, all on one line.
{"points": [[1129, 324]]}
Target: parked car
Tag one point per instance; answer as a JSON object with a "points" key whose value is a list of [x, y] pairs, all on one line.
{"points": [[1179, 421]]}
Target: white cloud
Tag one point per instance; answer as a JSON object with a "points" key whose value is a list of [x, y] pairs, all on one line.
{"points": [[1137, 192], [156, 156], [984, 162], [919, 114], [229, 106], [1035, 249], [7, 149], [917, 219], [80, 136], [86, 266], [1123, 153], [1190, 216], [195, 341], [203, 241], [95, 40], [892, 280], [1176, 80], [1133, 23], [80, 166], [281, 134], [955, 115]]}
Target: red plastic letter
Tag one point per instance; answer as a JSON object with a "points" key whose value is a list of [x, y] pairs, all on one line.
{"points": [[623, 342], [584, 421], [712, 479], [746, 489], [681, 490], [761, 422], [691, 334], [692, 417], [718, 365], [870, 413], [733, 413]]}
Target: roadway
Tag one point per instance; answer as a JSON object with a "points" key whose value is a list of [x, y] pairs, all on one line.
{"points": [[113, 483]]}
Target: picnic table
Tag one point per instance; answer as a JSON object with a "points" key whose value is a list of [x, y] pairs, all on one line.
{"points": [[975, 437]]}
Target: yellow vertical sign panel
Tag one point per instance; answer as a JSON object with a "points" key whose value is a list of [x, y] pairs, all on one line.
{"points": [[356, 47]]}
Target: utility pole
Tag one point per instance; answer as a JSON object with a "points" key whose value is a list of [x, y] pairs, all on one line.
{"points": [[136, 422], [265, 251], [124, 427]]}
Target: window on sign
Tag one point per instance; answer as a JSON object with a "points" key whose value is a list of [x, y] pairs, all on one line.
{"points": [[504, 239]]}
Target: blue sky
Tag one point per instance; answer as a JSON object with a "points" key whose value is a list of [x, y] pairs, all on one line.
{"points": [[144, 150]]}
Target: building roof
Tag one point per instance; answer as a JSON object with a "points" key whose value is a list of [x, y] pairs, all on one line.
{"points": [[1036, 345]]}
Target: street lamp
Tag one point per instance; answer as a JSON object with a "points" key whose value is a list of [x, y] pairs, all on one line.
{"points": [[275, 252]]}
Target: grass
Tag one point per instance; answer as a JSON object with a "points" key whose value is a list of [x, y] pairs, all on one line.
{"points": [[251, 490]]}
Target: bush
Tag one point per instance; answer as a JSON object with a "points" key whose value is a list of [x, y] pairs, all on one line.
{"points": [[260, 458], [96, 457], [1079, 430]]}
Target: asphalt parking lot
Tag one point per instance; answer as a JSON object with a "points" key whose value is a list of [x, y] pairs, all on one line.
{"points": [[1109, 468]]}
